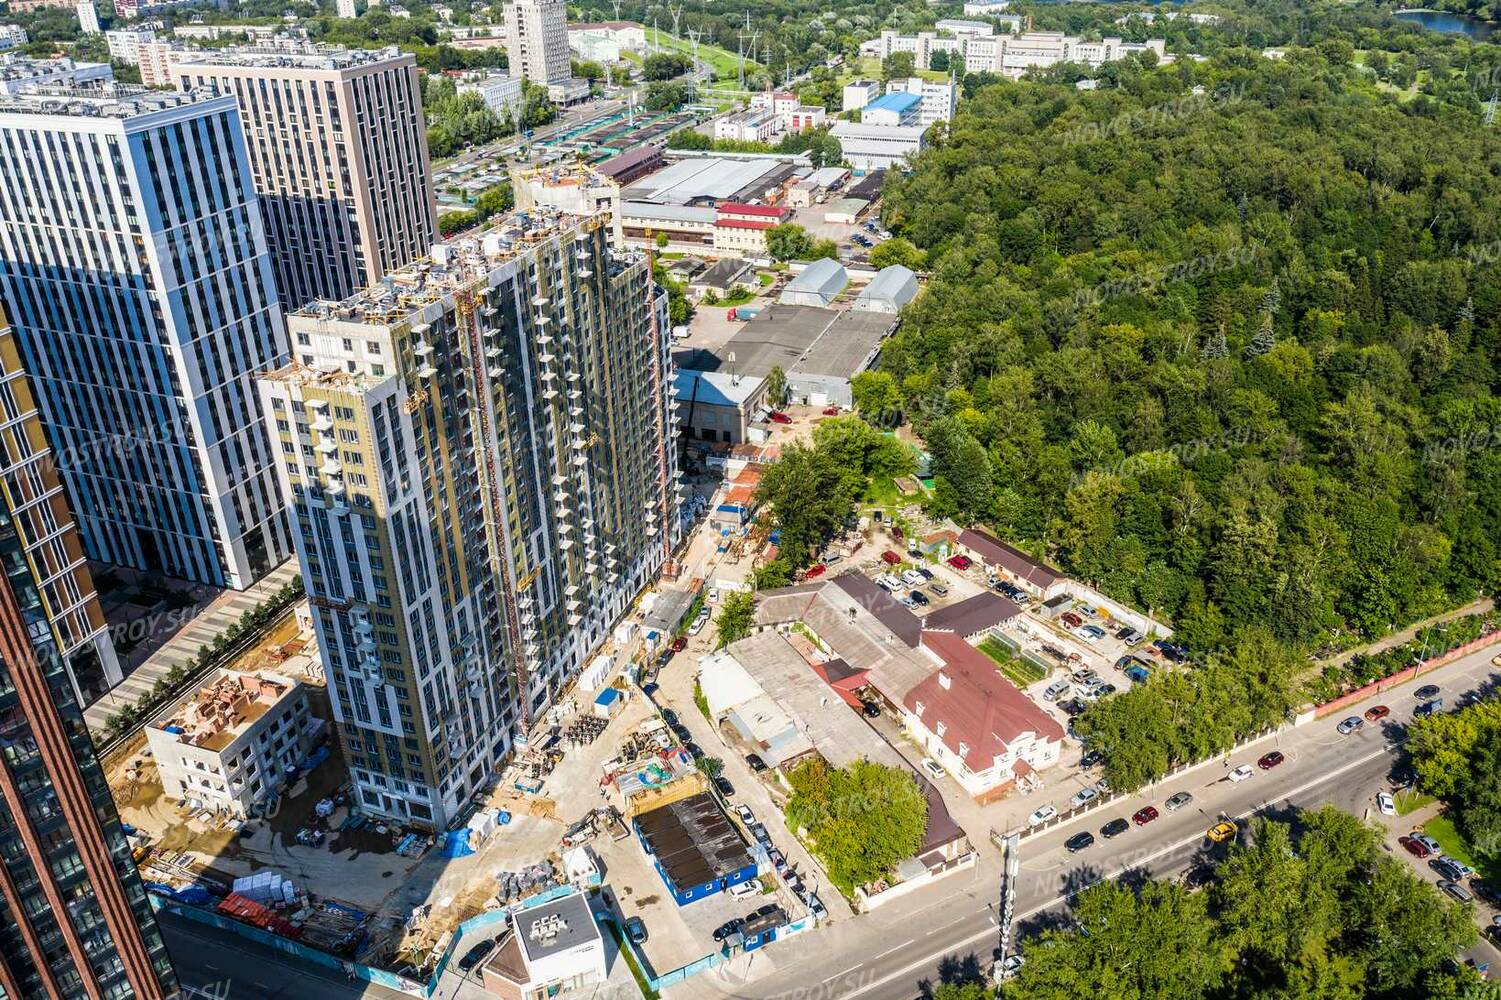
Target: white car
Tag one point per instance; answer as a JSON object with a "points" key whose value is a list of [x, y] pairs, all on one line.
{"points": [[698, 624], [713, 596], [744, 812], [1386, 803], [931, 766], [1241, 773], [889, 582], [1041, 816], [913, 578], [1084, 634], [1010, 966], [742, 889]]}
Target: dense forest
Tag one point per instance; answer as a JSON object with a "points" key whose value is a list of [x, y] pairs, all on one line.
{"points": [[1220, 337]]}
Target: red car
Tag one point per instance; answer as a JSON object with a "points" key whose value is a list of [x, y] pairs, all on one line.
{"points": [[891, 558], [1413, 847], [1144, 815], [1271, 760], [1377, 713], [960, 562], [815, 570], [778, 417], [831, 411], [1072, 620], [678, 644]]}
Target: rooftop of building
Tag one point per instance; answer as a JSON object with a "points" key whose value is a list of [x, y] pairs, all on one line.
{"points": [[894, 283], [15, 66], [715, 388], [215, 715], [110, 100], [694, 841], [896, 101], [800, 339], [290, 54], [555, 927], [997, 553], [709, 180], [973, 614]]}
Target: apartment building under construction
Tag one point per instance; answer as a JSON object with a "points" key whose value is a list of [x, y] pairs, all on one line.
{"points": [[478, 470]]}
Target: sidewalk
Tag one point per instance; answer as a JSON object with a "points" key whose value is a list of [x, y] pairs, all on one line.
{"points": [[1398, 638], [223, 611]]}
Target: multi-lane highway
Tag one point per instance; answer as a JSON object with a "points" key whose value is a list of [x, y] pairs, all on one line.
{"points": [[889, 954]]}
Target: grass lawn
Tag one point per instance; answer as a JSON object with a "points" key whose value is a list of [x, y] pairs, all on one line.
{"points": [[1442, 829], [724, 62], [1020, 672], [1410, 801], [642, 983], [883, 493]]}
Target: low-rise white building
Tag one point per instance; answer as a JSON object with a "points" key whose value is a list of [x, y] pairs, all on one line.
{"points": [[227, 744], [984, 8], [938, 99], [752, 125], [605, 41], [501, 94], [554, 947], [877, 147], [859, 93], [12, 36]]}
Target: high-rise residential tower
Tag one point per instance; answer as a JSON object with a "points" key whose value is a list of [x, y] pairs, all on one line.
{"points": [[74, 920], [133, 260], [338, 146], [480, 481], [537, 40]]}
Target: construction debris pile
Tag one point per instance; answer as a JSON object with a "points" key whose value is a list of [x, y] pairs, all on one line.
{"points": [[516, 886]]}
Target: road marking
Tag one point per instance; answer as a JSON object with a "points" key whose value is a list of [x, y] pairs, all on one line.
{"points": [[838, 974], [928, 960], [888, 951]]}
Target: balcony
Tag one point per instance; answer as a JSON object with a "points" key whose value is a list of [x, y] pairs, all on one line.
{"points": [[422, 349], [328, 446], [322, 423], [331, 467], [426, 371]]}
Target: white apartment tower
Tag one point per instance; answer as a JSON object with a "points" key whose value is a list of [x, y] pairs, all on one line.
{"points": [[338, 149], [134, 263], [537, 40], [345, 9], [478, 467], [88, 17]]}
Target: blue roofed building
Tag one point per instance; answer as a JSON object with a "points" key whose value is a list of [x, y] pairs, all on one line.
{"points": [[717, 406], [896, 108]]}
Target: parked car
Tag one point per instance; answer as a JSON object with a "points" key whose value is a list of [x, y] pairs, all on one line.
{"points": [[1056, 690], [891, 558], [923, 572], [1137, 673], [635, 928], [1115, 827], [741, 890], [889, 583], [713, 595], [1456, 890], [1271, 759], [931, 766], [1241, 773], [1428, 842], [1092, 758], [816, 907], [698, 624], [1131, 636], [1485, 891], [1083, 798], [960, 562], [678, 644], [1011, 965], [919, 598], [870, 710], [1376, 713], [939, 589], [913, 578], [1176, 802], [1428, 708], [474, 956], [1386, 804], [1221, 832], [778, 417], [1451, 869], [729, 927], [723, 784], [757, 765], [1072, 620], [1350, 725], [1079, 842], [816, 570], [831, 411], [777, 861], [1090, 633], [1072, 707], [1041, 815], [1144, 815], [1413, 847], [1427, 692]]}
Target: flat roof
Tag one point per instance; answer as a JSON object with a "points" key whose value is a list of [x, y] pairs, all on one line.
{"points": [[554, 927], [694, 841], [707, 180], [715, 388], [898, 101], [292, 55]]}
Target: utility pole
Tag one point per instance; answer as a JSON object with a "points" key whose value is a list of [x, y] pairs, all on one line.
{"points": [[741, 49]]}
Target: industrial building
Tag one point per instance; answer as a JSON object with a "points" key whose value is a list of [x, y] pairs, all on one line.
{"points": [[708, 180], [818, 285], [819, 350], [338, 148], [877, 147], [896, 107], [891, 288], [480, 470], [162, 447], [694, 847], [717, 406]]}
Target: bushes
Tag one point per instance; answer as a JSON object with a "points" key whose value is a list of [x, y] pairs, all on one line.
{"points": [[1429, 643]]}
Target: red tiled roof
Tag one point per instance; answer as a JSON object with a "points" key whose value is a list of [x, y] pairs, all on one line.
{"points": [[743, 224], [979, 707], [739, 208]]}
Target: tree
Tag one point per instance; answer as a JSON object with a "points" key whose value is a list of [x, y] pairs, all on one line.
{"points": [[788, 241], [736, 617], [861, 820], [668, 95], [877, 396], [898, 66], [809, 497], [939, 60], [897, 251], [587, 69], [776, 386], [665, 66]]}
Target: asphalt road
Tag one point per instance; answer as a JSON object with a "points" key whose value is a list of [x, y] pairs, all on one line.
{"points": [[213, 965], [951, 928]]}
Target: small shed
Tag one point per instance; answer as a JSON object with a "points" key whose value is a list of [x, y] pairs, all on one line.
{"points": [[845, 211], [818, 285], [608, 702]]}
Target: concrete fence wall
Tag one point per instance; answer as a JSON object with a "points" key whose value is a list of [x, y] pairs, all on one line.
{"points": [[1403, 676]]}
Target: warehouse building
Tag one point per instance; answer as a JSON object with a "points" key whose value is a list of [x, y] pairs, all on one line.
{"points": [[706, 181], [694, 847], [818, 285], [891, 288]]}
